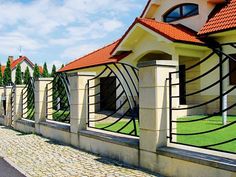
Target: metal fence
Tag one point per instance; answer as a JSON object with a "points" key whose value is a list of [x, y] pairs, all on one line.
{"points": [[113, 99], [58, 99], [200, 124], [28, 101]]}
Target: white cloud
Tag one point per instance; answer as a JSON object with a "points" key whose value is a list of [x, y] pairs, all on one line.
{"points": [[79, 51], [57, 63], [10, 43], [45, 24]]}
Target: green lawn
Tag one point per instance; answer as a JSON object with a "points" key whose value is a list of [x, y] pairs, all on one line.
{"points": [[208, 138], [119, 125], [200, 126], [61, 116]]}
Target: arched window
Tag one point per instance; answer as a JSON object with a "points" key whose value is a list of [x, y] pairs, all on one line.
{"points": [[181, 11]]}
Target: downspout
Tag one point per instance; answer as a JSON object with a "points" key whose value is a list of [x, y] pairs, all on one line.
{"points": [[212, 44]]}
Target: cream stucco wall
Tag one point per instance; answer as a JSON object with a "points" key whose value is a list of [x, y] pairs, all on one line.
{"points": [[160, 7]]}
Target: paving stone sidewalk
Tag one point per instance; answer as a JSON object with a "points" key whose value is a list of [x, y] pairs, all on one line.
{"points": [[39, 157]]}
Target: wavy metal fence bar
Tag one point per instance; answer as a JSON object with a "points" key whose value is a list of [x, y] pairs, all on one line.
{"points": [[58, 99], [205, 130], [113, 99], [28, 103]]}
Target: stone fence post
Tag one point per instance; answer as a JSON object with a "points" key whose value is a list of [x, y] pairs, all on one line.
{"points": [[78, 100], [8, 118], [154, 105], [18, 102], [2, 95], [40, 101]]}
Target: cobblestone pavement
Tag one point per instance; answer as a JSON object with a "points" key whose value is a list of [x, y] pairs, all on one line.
{"points": [[38, 156]]}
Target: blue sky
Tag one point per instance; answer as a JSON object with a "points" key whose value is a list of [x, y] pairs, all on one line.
{"points": [[58, 31]]}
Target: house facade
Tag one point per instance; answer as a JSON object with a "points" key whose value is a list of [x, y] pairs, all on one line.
{"points": [[197, 35], [24, 62]]}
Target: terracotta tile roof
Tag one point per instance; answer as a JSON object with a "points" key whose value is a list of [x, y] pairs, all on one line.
{"points": [[19, 60], [16, 62], [3, 69], [176, 33], [98, 57], [40, 69], [223, 19]]}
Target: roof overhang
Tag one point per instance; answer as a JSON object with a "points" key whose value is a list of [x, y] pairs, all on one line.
{"points": [[137, 32]]}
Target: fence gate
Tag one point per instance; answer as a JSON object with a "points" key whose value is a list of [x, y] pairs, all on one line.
{"points": [[28, 103], [58, 99], [113, 99], [210, 123]]}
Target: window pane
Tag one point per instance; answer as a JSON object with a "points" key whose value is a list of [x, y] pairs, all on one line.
{"points": [[174, 13], [189, 10]]}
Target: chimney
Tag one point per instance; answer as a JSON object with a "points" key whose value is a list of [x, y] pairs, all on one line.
{"points": [[11, 58]]}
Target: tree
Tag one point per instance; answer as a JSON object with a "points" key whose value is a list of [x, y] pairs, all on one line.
{"points": [[27, 75], [36, 73], [18, 77], [7, 74], [54, 70], [45, 70], [1, 83], [62, 66]]}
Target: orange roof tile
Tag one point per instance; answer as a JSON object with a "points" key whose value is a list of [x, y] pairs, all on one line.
{"points": [[223, 19], [19, 60], [3, 69], [98, 57], [40, 69], [176, 33]]}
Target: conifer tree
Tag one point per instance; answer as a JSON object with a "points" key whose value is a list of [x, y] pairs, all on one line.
{"points": [[54, 70], [7, 74], [36, 73], [27, 75], [18, 77], [1, 83], [45, 70]]}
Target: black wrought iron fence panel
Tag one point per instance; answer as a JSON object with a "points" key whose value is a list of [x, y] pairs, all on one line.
{"points": [[13, 90], [209, 122], [113, 99], [28, 100], [58, 99]]}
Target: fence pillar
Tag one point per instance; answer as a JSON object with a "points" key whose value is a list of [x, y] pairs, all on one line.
{"points": [[78, 100], [154, 103], [18, 102], [40, 94], [2, 96], [8, 118]]}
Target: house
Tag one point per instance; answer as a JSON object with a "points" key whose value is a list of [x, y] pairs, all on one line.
{"points": [[199, 35], [24, 62]]}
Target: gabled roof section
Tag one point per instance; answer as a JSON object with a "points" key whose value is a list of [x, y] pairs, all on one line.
{"points": [[19, 60], [96, 58], [224, 18], [173, 32]]}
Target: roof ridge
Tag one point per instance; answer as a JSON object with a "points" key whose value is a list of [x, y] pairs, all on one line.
{"points": [[108, 45]]}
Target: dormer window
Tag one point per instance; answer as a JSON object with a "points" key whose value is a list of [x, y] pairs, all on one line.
{"points": [[181, 11]]}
